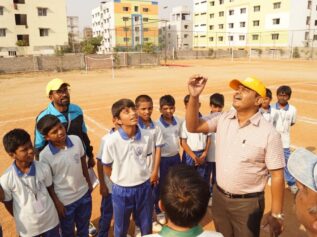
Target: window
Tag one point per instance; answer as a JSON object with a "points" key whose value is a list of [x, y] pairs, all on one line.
{"points": [[231, 25], [185, 26], [145, 19], [242, 24], [212, 15], [231, 12], [24, 39], [137, 39], [256, 8], [306, 35], [309, 4], [136, 8], [43, 32], [145, 29], [255, 37], [212, 3], [202, 24], [220, 38], [136, 18], [12, 53], [211, 38], [230, 37], [125, 9], [276, 5], [275, 36], [256, 23], [308, 20], [243, 10], [42, 11], [137, 29], [20, 19], [315, 37], [241, 37], [125, 39], [146, 39], [203, 36], [315, 22], [220, 26], [276, 21], [185, 36], [19, 1], [211, 27], [1, 11], [221, 13], [145, 9], [221, 2], [2, 32]]}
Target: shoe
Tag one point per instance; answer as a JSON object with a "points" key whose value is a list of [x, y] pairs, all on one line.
{"points": [[161, 219], [293, 189], [92, 230], [156, 227], [137, 231], [210, 202]]}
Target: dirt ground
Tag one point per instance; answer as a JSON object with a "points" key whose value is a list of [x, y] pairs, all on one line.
{"points": [[22, 97]]}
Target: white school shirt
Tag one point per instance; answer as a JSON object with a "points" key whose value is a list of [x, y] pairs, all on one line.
{"points": [[171, 135], [285, 117], [99, 157], [271, 116], [69, 181], [21, 188], [156, 132], [195, 141], [128, 157]]}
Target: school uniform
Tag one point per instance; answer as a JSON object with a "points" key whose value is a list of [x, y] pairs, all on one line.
{"points": [[285, 118], [70, 185], [33, 209], [131, 190], [106, 208], [197, 143], [270, 115]]}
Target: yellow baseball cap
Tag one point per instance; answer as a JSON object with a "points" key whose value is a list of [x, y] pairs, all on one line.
{"points": [[54, 85], [251, 83]]}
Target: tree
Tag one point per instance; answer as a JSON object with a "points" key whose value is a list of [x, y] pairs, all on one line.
{"points": [[90, 46], [149, 47]]}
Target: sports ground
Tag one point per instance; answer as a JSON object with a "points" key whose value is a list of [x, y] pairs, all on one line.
{"points": [[22, 97]]}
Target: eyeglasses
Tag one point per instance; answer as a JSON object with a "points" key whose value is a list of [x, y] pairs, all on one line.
{"points": [[62, 91]]}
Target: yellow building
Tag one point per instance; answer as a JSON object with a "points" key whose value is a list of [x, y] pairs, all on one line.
{"points": [[125, 23], [32, 27]]}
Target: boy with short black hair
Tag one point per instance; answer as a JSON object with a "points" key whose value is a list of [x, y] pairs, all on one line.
{"points": [[195, 146], [286, 117], [26, 182], [184, 197], [72, 188], [125, 155], [266, 111]]}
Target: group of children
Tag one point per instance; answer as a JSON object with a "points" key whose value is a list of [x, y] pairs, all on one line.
{"points": [[139, 168]]}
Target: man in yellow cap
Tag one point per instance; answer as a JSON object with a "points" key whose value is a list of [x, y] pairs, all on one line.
{"points": [[248, 149]]}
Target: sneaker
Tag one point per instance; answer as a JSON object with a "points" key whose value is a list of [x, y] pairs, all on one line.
{"points": [[210, 202], [92, 230], [293, 189], [161, 219], [156, 227], [137, 231]]}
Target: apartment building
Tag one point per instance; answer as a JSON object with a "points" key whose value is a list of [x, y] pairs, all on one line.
{"points": [[254, 23], [87, 33], [177, 32], [125, 23], [32, 27]]}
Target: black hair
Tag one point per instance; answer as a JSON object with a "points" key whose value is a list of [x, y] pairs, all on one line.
{"points": [[216, 99], [46, 123], [143, 98], [167, 100], [184, 196], [268, 93], [186, 99], [15, 138], [119, 105], [284, 90]]}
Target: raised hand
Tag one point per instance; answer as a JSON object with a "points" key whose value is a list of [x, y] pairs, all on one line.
{"points": [[196, 84]]}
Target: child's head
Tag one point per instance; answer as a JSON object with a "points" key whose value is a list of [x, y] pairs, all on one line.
{"points": [[167, 106], [283, 94], [267, 99], [18, 145], [144, 107], [52, 129], [186, 100], [124, 112], [216, 102], [184, 196]]}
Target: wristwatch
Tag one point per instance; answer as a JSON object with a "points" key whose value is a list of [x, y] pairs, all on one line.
{"points": [[279, 216]]}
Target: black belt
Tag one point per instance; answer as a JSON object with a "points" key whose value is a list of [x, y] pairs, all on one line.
{"points": [[247, 195]]}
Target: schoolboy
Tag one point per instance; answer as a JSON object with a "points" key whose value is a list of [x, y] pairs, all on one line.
{"points": [[171, 128], [195, 146], [286, 118], [216, 104], [1, 200], [184, 198], [144, 107], [266, 111], [125, 160], [66, 158], [106, 208], [26, 182]]}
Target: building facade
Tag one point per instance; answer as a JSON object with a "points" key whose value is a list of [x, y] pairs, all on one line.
{"points": [[32, 27], [125, 23], [254, 23], [87, 33]]}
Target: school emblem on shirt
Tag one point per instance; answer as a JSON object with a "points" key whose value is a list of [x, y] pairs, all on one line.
{"points": [[77, 158], [138, 151]]}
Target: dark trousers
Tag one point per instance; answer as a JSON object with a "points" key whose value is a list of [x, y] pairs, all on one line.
{"points": [[106, 213], [237, 217]]}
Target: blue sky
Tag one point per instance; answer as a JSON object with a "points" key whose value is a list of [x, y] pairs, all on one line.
{"points": [[82, 8]]}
